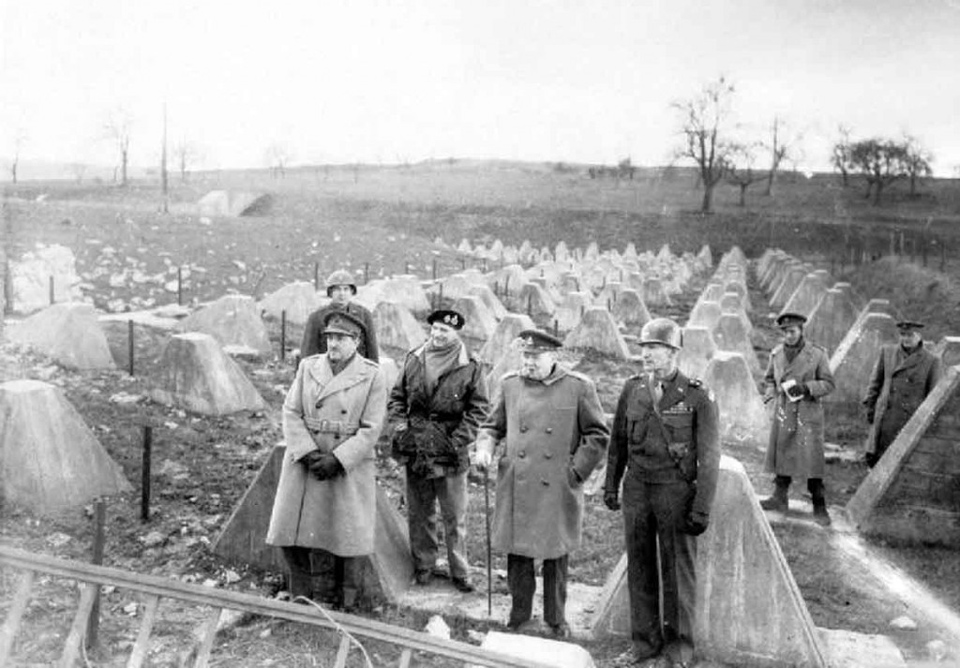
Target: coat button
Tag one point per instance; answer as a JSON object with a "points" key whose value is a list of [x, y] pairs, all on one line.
{"points": [[344, 411], [545, 483], [548, 455], [549, 430], [521, 454], [523, 429]]}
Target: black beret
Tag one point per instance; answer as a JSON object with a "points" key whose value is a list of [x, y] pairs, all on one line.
{"points": [[446, 317], [341, 322], [535, 341], [785, 320]]}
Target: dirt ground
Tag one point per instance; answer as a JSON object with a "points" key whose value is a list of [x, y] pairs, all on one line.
{"points": [[203, 465]]}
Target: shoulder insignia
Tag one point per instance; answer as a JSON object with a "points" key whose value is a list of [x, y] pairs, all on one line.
{"points": [[694, 382], [579, 376], [370, 362]]}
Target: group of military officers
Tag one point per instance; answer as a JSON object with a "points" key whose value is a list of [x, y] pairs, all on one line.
{"points": [[546, 431]]}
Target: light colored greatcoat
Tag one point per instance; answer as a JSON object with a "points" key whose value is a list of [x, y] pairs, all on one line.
{"points": [[898, 385], [796, 436], [549, 429], [346, 413]]}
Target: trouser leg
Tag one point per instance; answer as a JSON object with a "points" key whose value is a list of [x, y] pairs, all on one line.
{"points": [[348, 581], [300, 580], [422, 520], [521, 581], [555, 590], [642, 569], [678, 555], [452, 495]]}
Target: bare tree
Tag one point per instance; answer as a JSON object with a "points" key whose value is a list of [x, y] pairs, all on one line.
{"points": [[741, 167], [19, 139], [278, 158], [703, 121], [840, 157], [118, 128], [782, 147], [186, 154], [880, 161], [917, 161]]}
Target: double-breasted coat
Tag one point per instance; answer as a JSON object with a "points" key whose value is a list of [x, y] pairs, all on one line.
{"points": [[796, 435], [898, 385], [548, 429], [342, 414]]}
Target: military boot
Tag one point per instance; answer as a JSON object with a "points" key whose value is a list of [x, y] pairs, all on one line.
{"points": [[820, 514], [778, 501]]}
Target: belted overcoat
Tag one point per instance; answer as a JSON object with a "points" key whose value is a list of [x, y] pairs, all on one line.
{"points": [[342, 414]]}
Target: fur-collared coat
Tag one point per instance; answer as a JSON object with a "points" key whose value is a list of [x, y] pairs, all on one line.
{"points": [[342, 414], [898, 385], [796, 435], [549, 428]]}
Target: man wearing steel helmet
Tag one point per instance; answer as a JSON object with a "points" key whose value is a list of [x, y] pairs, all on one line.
{"points": [[341, 288], [436, 406], [902, 378], [798, 377], [665, 446], [551, 426]]}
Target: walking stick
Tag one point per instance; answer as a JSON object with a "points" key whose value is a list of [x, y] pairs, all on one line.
{"points": [[486, 514]]}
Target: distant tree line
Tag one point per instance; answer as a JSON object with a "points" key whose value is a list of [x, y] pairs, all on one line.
{"points": [[881, 162]]}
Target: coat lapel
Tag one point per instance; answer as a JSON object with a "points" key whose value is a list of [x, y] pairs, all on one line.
{"points": [[354, 373], [801, 361], [905, 362], [672, 392]]}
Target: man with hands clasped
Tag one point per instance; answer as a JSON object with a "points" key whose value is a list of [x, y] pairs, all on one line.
{"points": [[665, 447]]}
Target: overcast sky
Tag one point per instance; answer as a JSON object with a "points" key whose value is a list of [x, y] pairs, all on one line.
{"points": [[405, 80]]}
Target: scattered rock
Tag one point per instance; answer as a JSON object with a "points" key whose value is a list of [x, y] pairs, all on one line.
{"points": [[475, 636], [130, 609], [125, 398], [153, 539], [58, 539], [937, 650], [231, 577], [438, 628], [904, 623]]}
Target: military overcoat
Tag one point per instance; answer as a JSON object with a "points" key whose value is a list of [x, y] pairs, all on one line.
{"points": [[547, 429], [342, 414], [796, 434], [898, 385]]}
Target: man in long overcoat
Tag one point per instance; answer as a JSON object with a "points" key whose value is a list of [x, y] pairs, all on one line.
{"points": [[902, 377], [435, 408], [665, 447], [798, 377], [341, 288], [551, 423], [326, 496]]}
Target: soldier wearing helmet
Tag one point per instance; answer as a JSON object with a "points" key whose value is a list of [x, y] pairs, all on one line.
{"points": [[665, 447], [341, 288]]}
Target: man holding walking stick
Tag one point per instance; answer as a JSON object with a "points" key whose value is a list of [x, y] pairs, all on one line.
{"points": [[554, 431]]}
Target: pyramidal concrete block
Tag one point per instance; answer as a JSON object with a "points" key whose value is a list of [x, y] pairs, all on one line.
{"points": [[69, 333], [852, 362], [789, 284], [503, 337], [808, 293], [705, 314], [398, 331], [655, 292], [233, 320], [731, 335], [597, 331], [195, 374], [389, 570], [480, 323], [630, 310], [749, 609], [490, 299], [535, 301], [298, 299], [698, 349], [831, 319], [49, 459], [743, 417], [948, 349], [912, 494]]}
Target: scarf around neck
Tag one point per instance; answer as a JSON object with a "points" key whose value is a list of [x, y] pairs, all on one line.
{"points": [[437, 361]]}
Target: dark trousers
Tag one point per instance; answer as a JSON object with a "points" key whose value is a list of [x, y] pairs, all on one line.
{"points": [[342, 582], [522, 582], [661, 563], [423, 496]]}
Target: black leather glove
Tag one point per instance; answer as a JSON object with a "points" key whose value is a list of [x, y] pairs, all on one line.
{"points": [[696, 523], [327, 466], [311, 458], [611, 500]]}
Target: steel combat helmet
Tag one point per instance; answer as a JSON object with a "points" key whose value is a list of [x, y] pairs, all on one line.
{"points": [[662, 331]]}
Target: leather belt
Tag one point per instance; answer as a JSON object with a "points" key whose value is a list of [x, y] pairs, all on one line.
{"points": [[317, 426]]}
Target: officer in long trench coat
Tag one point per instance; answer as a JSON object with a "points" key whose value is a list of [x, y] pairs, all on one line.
{"points": [[551, 425], [326, 496], [798, 377], [903, 376]]}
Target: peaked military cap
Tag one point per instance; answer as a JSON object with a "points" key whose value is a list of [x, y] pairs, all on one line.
{"points": [[446, 317], [785, 320], [341, 322], [909, 326], [535, 341]]}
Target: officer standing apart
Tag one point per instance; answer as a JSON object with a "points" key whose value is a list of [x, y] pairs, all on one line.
{"points": [[552, 426], [902, 378], [436, 406], [798, 377], [326, 496], [341, 289], [666, 448]]}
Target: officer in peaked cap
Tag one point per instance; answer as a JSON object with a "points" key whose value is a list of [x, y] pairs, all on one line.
{"points": [[435, 408], [665, 448], [798, 377], [903, 375], [332, 417], [341, 288], [551, 426]]}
